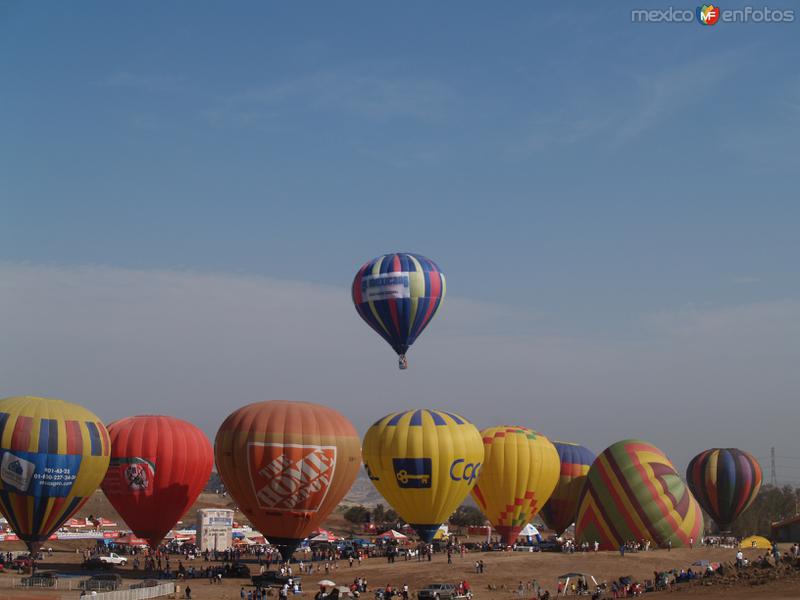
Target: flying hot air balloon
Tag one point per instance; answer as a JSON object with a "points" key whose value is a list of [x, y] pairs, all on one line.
{"points": [[159, 465], [725, 482], [287, 465], [53, 455], [560, 510], [520, 471], [424, 463], [398, 295], [633, 492]]}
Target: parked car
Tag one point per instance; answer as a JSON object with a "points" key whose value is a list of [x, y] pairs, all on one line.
{"points": [[147, 583], [273, 579], [114, 559], [548, 546], [239, 570], [438, 591], [106, 582], [95, 564], [40, 579], [22, 562]]}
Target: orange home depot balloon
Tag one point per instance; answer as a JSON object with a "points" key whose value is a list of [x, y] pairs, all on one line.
{"points": [[159, 465], [287, 465]]}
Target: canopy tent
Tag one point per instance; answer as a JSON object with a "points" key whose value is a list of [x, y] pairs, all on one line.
{"points": [[392, 534], [567, 577], [246, 541], [529, 531], [755, 541], [130, 540], [322, 535]]}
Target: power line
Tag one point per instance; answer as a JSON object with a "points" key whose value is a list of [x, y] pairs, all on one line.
{"points": [[772, 476]]}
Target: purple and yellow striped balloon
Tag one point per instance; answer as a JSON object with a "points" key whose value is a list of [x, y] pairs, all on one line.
{"points": [[725, 482], [560, 510], [398, 295]]}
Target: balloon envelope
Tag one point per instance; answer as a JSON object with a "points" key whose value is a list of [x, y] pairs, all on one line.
{"points": [[287, 465], [398, 295], [560, 510], [53, 455], [424, 462], [725, 482], [159, 465], [633, 492], [520, 471]]}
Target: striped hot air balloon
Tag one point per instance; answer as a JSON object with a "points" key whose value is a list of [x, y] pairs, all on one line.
{"points": [[53, 455], [633, 492], [398, 295], [520, 471], [424, 462], [725, 482], [562, 507]]}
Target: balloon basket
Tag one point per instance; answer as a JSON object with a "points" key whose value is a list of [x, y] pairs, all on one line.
{"points": [[402, 362]]}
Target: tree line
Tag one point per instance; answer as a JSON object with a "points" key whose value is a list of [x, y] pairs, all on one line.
{"points": [[772, 504]]}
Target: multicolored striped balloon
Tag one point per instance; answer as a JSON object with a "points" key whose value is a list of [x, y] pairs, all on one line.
{"points": [[633, 492], [520, 470], [53, 455], [562, 507], [725, 482], [398, 295]]}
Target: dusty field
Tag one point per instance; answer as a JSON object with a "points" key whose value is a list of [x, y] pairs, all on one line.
{"points": [[503, 570]]}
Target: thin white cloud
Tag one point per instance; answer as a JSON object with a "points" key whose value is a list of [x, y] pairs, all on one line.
{"points": [[144, 82], [200, 345], [634, 105], [746, 280], [372, 92]]}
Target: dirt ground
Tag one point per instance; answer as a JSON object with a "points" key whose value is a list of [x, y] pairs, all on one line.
{"points": [[503, 570]]}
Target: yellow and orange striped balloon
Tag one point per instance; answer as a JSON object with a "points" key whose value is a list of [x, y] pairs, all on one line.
{"points": [[520, 471]]}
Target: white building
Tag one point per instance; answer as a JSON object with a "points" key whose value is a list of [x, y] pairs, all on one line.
{"points": [[214, 528]]}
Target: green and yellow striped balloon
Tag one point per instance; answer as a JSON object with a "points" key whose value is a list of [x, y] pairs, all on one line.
{"points": [[633, 492]]}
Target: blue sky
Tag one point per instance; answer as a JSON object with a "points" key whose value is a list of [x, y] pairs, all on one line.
{"points": [[577, 176]]}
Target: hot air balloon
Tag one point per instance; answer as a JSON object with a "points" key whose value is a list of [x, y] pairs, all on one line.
{"points": [[287, 465], [633, 492], [560, 510], [725, 482], [520, 471], [159, 465], [397, 295], [53, 455], [424, 462]]}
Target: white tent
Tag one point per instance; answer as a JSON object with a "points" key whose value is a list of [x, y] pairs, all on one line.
{"points": [[393, 534], [529, 531]]}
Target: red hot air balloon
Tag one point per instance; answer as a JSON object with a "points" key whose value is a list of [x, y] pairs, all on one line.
{"points": [[287, 465], [159, 465]]}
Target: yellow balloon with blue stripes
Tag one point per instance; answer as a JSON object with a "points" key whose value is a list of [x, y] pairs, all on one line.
{"points": [[424, 462], [53, 455]]}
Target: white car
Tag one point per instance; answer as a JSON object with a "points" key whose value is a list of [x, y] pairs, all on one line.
{"points": [[114, 559]]}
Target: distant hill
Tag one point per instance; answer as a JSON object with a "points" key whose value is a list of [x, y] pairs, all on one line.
{"points": [[363, 492]]}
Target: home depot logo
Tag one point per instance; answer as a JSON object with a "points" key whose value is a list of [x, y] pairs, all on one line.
{"points": [[290, 476]]}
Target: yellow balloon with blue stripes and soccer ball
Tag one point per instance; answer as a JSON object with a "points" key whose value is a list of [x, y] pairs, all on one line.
{"points": [[424, 463]]}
